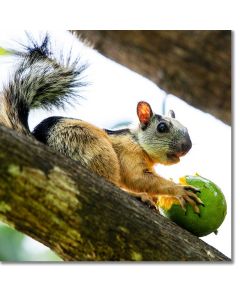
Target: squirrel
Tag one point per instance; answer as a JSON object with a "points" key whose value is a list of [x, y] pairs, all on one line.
{"points": [[124, 157]]}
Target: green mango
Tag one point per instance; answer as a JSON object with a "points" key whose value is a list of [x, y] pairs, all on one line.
{"points": [[211, 215]]}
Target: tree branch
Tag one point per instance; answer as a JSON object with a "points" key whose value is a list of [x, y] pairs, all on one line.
{"points": [[79, 215], [194, 65]]}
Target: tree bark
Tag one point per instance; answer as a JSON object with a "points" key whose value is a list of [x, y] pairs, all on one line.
{"points": [[79, 215], [193, 65]]}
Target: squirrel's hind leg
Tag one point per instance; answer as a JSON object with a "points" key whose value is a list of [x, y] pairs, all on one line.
{"points": [[87, 144]]}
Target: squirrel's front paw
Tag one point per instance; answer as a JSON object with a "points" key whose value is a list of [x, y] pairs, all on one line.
{"points": [[187, 194], [150, 201], [144, 197]]}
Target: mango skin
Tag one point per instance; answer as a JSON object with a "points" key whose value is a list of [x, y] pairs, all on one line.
{"points": [[211, 215]]}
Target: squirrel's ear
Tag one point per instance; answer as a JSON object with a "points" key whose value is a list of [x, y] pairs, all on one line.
{"points": [[171, 114], [144, 112]]}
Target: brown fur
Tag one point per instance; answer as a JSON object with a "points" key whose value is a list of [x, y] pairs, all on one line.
{"points": [[88, 144], [136, 168], [117, 157]]}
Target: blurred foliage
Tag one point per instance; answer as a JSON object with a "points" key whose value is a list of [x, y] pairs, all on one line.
{"points": [[17, 247], [4, 51]]}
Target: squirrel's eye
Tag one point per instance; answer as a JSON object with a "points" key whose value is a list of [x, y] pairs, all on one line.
{"points": [[162, 127]]}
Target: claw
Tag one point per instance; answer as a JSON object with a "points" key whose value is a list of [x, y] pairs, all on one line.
{"points": [[196, 210], [192, 193], [150, 204], [148, 200], [191, 188], [191, 198], [195, 197], [192, 203], [182, 203]]}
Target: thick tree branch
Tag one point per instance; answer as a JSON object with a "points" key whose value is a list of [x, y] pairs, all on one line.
{"points": [[79, 215], [194, 65]]}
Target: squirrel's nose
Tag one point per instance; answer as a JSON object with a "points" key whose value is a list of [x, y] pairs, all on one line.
{"points": [[185, 146]]}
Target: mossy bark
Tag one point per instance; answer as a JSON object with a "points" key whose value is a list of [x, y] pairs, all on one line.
{"points": [[79, 215]]}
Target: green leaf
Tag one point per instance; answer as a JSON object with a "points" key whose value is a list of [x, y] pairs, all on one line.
{"points": [[4, 51]]}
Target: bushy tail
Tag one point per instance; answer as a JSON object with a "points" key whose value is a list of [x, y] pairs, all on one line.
{"points": [[40, 80]]}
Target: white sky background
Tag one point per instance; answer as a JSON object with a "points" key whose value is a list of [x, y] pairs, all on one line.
{"points": [[112, 97]]}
